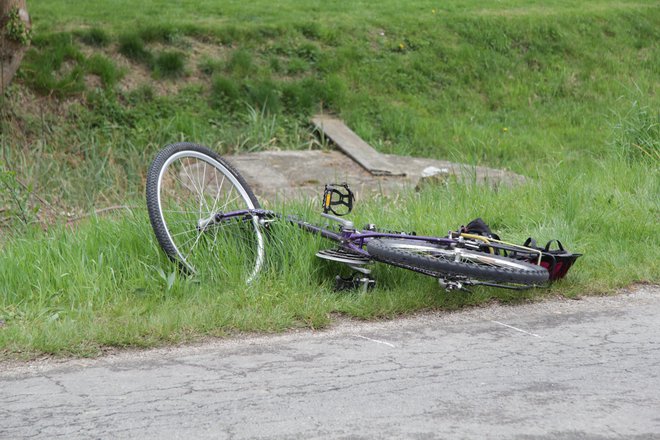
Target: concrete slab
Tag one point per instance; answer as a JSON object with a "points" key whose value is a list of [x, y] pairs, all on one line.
{"points": [[299, 174]]}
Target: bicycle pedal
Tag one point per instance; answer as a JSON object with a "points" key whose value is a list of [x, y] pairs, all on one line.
{"points": [[353, 283], [453, 285]]}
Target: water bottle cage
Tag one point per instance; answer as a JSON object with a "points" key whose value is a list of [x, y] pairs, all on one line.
{"points": [[336, 196]]}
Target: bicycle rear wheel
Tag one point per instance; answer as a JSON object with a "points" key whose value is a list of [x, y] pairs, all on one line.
{"points": [[188, 184], [438, 260]]}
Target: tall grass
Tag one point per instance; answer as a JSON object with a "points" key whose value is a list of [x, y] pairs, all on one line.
{"points": [[105, 282], [565, 94], [170, 64], [637, 134]]}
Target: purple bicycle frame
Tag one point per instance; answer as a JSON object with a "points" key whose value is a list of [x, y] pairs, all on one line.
{"points": [[355, 240], [350, 239]]}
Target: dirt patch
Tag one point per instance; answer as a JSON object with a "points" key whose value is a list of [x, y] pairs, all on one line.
{"points": [[136, 75]]}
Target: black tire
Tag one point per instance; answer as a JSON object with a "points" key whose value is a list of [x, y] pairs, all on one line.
{"points": [[189, 183], [437, 260]]}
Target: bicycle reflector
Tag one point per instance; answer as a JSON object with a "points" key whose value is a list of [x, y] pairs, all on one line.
{"points": [[338, 199]]}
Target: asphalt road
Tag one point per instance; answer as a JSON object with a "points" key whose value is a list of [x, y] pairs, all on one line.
{"points": [[560, 369]]}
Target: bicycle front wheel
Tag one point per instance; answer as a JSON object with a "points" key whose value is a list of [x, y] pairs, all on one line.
{"points": [[438, 260], [187, 186]]}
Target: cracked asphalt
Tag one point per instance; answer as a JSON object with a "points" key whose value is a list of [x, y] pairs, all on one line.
{"points": [[558, 369]]}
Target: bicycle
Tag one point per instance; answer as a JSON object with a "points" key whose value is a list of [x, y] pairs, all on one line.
{"points": [[201, 207]]}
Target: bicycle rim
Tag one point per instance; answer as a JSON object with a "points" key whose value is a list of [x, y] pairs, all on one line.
{"points": [[191, 188]]}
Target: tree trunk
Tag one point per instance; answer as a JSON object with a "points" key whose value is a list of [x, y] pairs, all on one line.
{"points": [[15, 25]]}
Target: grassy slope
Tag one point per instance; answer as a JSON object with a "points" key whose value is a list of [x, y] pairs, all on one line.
{"points": [[123, 14], [514, 87], [565, 93]]}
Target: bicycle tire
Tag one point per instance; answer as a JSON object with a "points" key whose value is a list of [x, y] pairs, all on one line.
{"points": [[187, 183], [438, 260]]}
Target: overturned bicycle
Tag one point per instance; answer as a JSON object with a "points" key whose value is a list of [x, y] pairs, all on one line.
{"points": [[200, 207]]}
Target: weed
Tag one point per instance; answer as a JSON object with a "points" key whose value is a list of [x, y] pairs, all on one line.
{"points": [[298, 98], [15, 200], [142, 94], [637, 134], [330, 93], [168, 279], [263, 95], [261, 129], [54, 66], [228, 34], [95, 36], [104, 68], [311, 30], [309, 52], [331, 36], [225, 93], [162, 33], [209, 66], [169, 64], [275, 64], [241, 63], [133, 48], [297, 66], [105, 109]]}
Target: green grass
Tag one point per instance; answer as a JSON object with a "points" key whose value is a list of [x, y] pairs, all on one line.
{"points": [[105, 69], [104, 282], [94, 37], [58, 68], [169, 64], [132, 47], [564, 93]]}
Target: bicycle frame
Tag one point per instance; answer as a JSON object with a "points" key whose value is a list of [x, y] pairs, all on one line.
{"points": [[350, 238], [355, 241]]}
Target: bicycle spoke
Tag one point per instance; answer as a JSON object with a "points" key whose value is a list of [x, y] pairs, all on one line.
{"points": [[218, 192], [192, 182]]}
